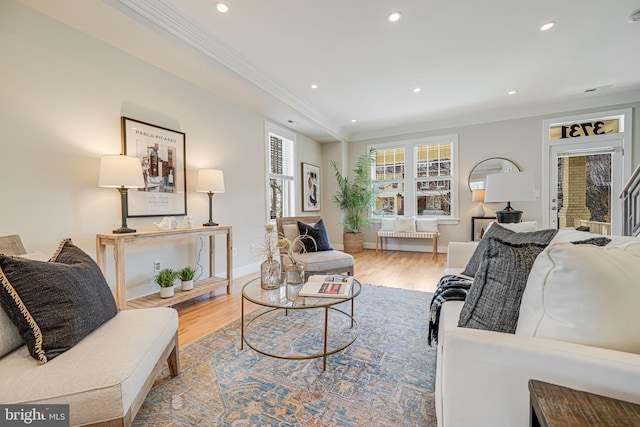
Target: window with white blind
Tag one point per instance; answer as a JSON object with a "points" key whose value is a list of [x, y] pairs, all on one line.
{"points": [[416, 178], [280, 174]]}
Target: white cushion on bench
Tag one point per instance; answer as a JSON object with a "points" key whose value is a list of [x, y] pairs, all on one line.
{"points": [[101, 375], [387, 224], [407, 225], [427, 225], [412, 235]]}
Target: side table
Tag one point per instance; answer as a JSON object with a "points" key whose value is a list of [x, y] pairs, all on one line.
{"points": [[482, 223], [555, 405]]}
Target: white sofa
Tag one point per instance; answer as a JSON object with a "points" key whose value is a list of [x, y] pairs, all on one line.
{"points": [[482, 376]]}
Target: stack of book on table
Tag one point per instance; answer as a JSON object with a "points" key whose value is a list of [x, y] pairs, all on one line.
{"points": [[330, 286]]}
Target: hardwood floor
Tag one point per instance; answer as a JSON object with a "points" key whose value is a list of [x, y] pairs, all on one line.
{"points": [[397, 269]]}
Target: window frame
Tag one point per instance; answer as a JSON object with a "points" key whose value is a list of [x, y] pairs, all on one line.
{"points": [[289, 196], [411, 176]]}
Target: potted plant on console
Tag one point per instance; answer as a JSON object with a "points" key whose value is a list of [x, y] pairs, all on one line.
{"points": [[186, 278], [165, 279], [355, 197]]}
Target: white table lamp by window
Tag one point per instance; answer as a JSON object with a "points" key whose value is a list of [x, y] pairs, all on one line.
{"points": [[509, 187], [210, 181], [121, 172], [478, 196]]}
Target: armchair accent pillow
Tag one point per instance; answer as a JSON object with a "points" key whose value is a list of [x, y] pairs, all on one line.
{"points": [[542, 237], [319, 234], [291, 232], [57, 303], [493, 301]]}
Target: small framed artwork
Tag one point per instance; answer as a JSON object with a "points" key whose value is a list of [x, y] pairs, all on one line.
{"points": [[161, 153], [310, 187]]}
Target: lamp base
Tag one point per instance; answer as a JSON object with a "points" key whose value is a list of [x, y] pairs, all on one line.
{"points": [[123, 230], [210, 224], [506, 216]]}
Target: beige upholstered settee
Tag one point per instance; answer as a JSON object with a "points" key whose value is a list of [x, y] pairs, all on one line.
{"points": [[105, 377], [578, 327], [332, 261]]}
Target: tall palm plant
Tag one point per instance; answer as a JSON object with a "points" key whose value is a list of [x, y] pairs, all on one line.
{"points": [[355, 196]]}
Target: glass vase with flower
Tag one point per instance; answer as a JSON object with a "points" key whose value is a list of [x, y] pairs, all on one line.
{"points": [[270, 271]]}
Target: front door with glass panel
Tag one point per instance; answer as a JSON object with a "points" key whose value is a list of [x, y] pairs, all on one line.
{"points": [[585, 169], [584, 187]]}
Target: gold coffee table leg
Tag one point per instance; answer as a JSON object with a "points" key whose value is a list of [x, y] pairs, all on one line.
{"points": [[326, 327], [242, 324]]}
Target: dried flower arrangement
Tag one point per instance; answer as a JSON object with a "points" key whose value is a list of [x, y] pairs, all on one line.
{"points": [[289, 246], [269, 246]]}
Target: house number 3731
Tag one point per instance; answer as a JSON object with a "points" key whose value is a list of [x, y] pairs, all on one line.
{"points": [[583, 129]]}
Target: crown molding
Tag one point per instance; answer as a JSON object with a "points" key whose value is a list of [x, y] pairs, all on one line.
{"points": [[174, 23]]}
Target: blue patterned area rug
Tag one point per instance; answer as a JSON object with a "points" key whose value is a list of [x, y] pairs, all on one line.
{"points": [[385, 378]]}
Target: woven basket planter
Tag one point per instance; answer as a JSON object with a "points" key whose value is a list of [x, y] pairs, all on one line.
{"points": [[352, 242]]}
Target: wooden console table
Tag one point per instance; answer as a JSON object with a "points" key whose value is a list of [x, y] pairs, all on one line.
{"points": [[554, 405], [120, 241]]}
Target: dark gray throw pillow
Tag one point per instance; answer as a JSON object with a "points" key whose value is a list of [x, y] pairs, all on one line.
{"points": [[57, 303], [493, 301], [542, 237], [317, 231]]}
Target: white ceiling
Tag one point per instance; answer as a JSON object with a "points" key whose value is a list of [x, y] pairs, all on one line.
{"points": [[465, 55]]}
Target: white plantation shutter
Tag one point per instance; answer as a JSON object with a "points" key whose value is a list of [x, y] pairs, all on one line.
{"points": [[280, 177], [280, 156]]}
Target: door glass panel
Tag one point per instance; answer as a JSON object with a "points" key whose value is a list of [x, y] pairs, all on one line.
{"points": [[584, 193]]}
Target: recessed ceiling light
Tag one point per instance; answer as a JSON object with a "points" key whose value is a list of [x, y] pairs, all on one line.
{"points": [[222, 7], [417, 89], [394, 16], [548, 25], [314, 86], [353, 120], [513, 92]]}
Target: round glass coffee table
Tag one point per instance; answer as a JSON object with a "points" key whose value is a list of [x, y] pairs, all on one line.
{"points": [[292, 328]]}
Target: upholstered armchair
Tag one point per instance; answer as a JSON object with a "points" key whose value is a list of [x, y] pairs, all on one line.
{"points": [[318, 257]]}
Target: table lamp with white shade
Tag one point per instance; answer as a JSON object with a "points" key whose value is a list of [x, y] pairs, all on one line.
{"points": [[478, 196], [509, 187], [210, 181], [121, 172]]}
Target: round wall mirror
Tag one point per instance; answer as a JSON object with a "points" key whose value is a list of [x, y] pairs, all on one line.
{"points": [[490, 166]]}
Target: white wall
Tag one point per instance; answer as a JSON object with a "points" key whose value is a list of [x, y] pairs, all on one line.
{"points": [[63, 94], [332, 217], [519, 140]]}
